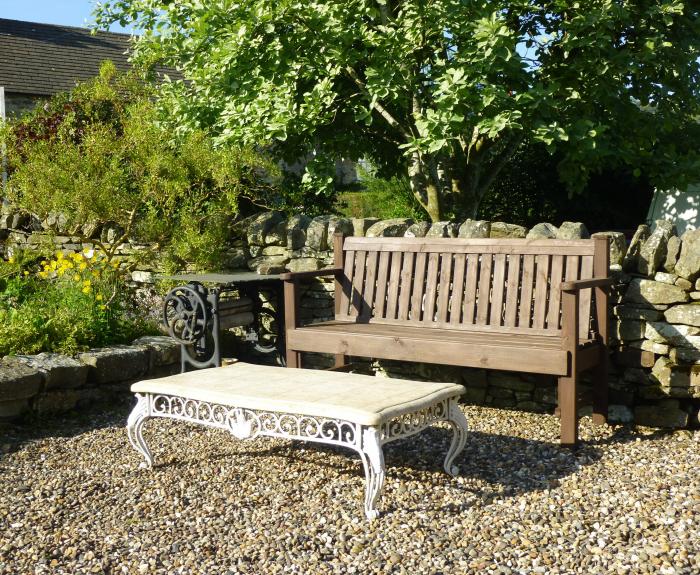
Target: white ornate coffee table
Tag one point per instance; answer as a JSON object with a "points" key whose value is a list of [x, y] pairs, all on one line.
{"points": [[356, 411]]}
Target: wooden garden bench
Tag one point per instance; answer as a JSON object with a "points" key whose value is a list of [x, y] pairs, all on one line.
{"points": [[537, 306], [359, 412]]}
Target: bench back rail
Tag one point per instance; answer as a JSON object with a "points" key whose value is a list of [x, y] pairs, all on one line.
{"points": [[507, 285]]}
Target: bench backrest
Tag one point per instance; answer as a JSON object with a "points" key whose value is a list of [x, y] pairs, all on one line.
{"points": [[507, 285]]}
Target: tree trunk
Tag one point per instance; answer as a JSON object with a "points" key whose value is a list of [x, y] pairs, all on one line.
{"points": [[425, 188]]}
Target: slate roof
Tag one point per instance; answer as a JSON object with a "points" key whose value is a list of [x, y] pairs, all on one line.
{"points": [[43, 59]]}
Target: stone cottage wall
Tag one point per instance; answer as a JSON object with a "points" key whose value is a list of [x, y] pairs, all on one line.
{"points": [[655, 305]]}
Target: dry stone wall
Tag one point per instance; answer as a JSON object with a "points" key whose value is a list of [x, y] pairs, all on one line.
{"points": [[49, 383], [655, 304]]}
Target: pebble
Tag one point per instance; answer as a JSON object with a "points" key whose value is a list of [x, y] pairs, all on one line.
{"points": [[73, 500]]}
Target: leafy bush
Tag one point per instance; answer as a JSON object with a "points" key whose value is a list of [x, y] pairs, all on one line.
{"points": [[70, 304], [102, 155]]}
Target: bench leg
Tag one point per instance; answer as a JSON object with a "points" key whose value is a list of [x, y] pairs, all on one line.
{"points": [[134, 427], [456, 419], [600, 388], [567, 411], [293, 358], [373, 463]]}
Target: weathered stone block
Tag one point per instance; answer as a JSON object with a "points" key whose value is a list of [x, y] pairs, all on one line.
{"points": [[509, 381], [264, 264], [116, 363], [304, 265], [317, 233], [417, 230], [572, 231], [235, 258], [58, 371], [277, 234], [664, 414], [663, 332], [640, 313], [618, 246], [631, 259], [504, 230], [684, 355], [54, 402], [652, 252], [361, 225], [474, 229], [688, 314], [665, 278], [389, 228], [628, 330], [163, 349], [260, 225], [442, 230], [543, 231], [652, 292], [18, 380], [688, 264], [684, 284], [13, 408], [296, 231], [474, 395], [276, 251], [673, 249]]}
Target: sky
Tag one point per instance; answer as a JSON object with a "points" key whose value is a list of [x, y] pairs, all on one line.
{"points": [[67, 12]]}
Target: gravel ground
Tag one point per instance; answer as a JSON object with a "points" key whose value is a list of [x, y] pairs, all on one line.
{"points": [[72, 500]]}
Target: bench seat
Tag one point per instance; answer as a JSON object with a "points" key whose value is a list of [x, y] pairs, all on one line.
{"points": [[356, 411], [492, 349]]}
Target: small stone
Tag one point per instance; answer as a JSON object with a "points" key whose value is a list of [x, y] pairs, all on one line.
{"points": [[296, 231], [417, 230], [361, 225], [18, 380], [474, 229], [688, 314], [260, 225], [629, 330], [631, 259], [117, 363], [684, 284], [652, 252], [442, 230], [653, 292], [665, 414], [688, 264], [673, 248], [573, 231], [389, 228], [665, 278], [58, 371], [504, 230], [542, 231], [304, 264]]}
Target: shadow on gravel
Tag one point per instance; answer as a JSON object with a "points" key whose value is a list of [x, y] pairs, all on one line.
{"points": [[97, 416]]}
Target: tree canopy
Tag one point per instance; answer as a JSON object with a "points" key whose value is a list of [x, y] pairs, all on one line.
{"points": [[446, 90]]}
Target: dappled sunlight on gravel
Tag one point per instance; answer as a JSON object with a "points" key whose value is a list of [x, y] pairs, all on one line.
{"points": [[72, 500]]}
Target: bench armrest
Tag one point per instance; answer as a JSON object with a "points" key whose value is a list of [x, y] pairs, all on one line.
{"points": [[293, 276], [577, 285]]}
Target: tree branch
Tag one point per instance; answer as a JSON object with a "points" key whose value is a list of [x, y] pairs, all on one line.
{"points": [[383, 112]]}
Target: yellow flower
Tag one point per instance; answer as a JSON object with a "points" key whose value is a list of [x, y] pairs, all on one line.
{"points": [[115, 265], [76, 277], [86, 289], [61, 271], [59, 256], [82, 265], [11, 260], [26, 273], [87, 283], [78, 257], [54, 264], [98, 297], [43, 274], [103, 307]]}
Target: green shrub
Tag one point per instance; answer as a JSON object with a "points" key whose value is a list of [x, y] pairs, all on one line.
{"points": [[103, 155], [72, 303], [383, 198]]}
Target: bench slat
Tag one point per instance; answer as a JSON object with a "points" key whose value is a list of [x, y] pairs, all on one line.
{"points": [[405, 287], [431, 287], [346, 283], [526, 282], [512, 293], [470, 288], [541, 285], [443, 303], [418, 288], [484, 295], [382, 283], [394, 279], [358, 282], [554, 313], [370, 284], [499, 273], [458, 288]]}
